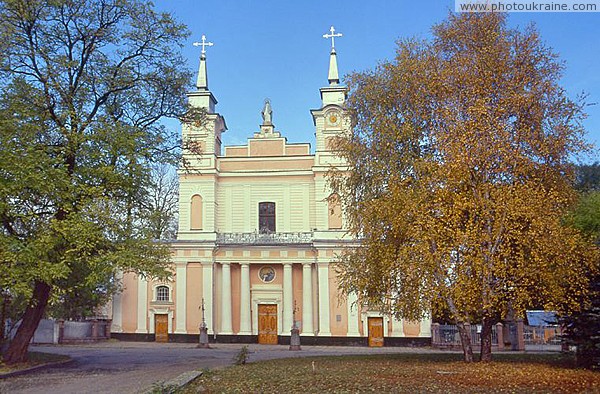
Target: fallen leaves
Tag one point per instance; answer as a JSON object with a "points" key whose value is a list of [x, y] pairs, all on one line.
{"points": [[547, 373]]}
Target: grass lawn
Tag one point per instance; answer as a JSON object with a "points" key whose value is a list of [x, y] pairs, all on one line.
{"points": [[35, 359], [415, 373]]}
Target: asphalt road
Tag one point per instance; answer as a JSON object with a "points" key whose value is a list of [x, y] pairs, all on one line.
{"points": [[133, 367]]}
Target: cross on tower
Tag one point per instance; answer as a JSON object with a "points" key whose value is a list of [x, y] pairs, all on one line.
{"points": [[203, 44], [333, 35]]}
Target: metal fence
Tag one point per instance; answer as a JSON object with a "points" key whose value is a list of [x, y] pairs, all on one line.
{"points": [[257, 238], [514, 336], [447, 336]]}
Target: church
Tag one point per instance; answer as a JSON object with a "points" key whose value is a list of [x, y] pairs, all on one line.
{"points": [[259, 232]]}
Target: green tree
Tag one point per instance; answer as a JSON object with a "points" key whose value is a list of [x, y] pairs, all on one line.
{"points": [[583, 327], [587, 177], [458, 177], [85, 84], [89, 288]]}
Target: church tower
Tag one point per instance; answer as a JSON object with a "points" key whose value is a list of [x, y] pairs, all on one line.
{"points": [[201, 147], [203, 137], [330, 120], [330, 123]]}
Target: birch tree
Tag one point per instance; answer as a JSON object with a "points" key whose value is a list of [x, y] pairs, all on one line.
{"points": [[459, 176]]}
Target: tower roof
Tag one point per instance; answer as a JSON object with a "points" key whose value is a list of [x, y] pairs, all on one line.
{"points": [[333, 76], [202, 97], [202, 80]]}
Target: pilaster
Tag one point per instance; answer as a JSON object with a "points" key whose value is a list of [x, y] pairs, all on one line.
{"points": [[181, 297], [226, 326], [142, 307], [353, 328], [288, 297], [117, 307], [207, 294], [245, 318], [307, 310], [324, 323]]}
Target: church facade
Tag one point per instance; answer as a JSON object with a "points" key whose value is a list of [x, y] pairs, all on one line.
{"points": [[259, 231]]}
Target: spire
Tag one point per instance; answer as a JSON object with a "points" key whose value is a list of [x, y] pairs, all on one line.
{"points": [[202, 80], [333, 76]]}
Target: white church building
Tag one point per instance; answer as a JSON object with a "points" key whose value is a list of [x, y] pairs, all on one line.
{"points": [[259, 232]]}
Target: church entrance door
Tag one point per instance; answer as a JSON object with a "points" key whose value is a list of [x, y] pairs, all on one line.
{"points": [[267, 324], [375, 331], [161, 328]]}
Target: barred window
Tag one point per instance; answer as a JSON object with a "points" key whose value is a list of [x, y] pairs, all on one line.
{"points": [[266, 217], [162, 293]]}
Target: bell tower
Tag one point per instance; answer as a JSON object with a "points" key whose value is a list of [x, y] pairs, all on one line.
{"points": [[202, 138], [330, 120], [331, 123], [201, 149]]}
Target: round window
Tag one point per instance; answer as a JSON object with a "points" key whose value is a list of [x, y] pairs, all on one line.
{"points": [[266, 274]]}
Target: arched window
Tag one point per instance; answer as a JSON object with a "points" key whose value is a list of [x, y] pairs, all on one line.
{"points": [[334, 212], [196, 213], [162, 293], [266, 217]]}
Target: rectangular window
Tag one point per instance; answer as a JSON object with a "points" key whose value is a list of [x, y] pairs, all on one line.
{"points": [[266, 217]]}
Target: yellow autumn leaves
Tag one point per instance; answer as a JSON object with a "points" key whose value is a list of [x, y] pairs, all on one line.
{"points": [[460, 177]]}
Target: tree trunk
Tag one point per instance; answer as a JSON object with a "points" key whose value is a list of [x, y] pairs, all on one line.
{"points": [[486, 340], [465, 341], [3, 318], [17, 350]]}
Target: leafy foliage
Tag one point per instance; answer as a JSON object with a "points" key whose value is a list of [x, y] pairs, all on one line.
{"points": [[459, 177], [85, 84], [588, 177]]}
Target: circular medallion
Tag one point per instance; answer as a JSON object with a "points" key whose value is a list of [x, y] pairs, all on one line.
{"points": [[266, 274]]}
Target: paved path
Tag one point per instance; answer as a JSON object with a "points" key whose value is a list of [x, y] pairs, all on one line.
{"points": [[133, 367]]}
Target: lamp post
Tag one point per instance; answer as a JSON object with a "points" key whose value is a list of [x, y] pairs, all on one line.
{"points": [[203, 340], [295, 337]]}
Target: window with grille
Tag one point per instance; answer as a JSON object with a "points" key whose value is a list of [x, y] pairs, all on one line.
{"points": [[162, 293], [266, 217]]}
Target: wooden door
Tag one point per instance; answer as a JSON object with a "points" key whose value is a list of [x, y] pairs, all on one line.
{"points": [[267, 324], [161, 328], [375, 331]]}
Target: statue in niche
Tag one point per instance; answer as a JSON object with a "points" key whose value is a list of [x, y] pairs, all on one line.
{"points": [[267, 113]]}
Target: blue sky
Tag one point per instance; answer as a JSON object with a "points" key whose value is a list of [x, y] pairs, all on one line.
{"points": [[275, 49]]}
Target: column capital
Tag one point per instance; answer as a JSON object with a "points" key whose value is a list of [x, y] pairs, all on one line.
{"points": [[287, 264]]}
